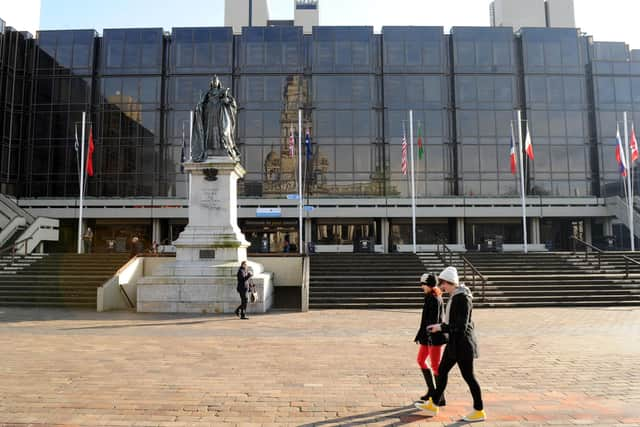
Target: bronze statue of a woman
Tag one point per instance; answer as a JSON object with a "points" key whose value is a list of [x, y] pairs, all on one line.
{"points": [[214, 124]]}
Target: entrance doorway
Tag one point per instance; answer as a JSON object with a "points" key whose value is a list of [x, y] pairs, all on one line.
{"points": [[271, 235], [555, 233]]}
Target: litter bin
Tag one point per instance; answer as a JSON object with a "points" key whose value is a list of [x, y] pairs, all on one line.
{"points": [[311, 248], [492, 244], [365, 245]]}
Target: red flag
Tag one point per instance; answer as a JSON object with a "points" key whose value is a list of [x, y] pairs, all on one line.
{"points": [[403, 164], [528, 146], [90, 154], [512, 156], [633, 144], [620, 157]]}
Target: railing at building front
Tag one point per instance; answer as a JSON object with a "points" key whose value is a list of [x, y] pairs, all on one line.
{"points": [[446, 256], [598, 254], [13, 249]]}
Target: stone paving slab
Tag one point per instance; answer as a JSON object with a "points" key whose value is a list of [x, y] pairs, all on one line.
{"points": [[551, 367]]}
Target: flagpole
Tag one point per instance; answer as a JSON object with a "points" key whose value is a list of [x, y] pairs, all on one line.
{"points": [[630, 191], [301, 245], [413, 183], [84, 120], [190, 141], [524, 208]]}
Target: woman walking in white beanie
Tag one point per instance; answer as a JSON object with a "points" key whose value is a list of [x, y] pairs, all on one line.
{"points": [[462, 347]]}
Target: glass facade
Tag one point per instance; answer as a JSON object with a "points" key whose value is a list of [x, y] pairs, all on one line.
{"points": [[417, 76], [15, 86], [354, 88], [486, 95], [616, 85], [557, 100], [129, 115], [347, 159]]}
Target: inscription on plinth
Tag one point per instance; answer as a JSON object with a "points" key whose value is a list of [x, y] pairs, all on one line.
{"points": [[207, 254]]}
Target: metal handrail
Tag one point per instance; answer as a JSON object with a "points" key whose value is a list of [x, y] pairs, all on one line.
{"points": [[445, 248], [599, 251], [465, 263], [13, 247], [587, 246], [473, 276]]}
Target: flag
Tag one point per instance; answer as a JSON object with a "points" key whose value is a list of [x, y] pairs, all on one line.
{"points": [[307, 144], [77, 145], [622, 162], [90, 153], [528, 146], [512, 154], [403, 165], [291, 143], [633, 144], [182, 153], [420, 148]]}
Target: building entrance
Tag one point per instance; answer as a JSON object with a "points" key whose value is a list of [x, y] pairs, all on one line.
{"points": [[555, 233], [271, 235]]}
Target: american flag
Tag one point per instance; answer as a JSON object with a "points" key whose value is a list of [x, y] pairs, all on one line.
{"points": [[404, 153], [291, 143]]}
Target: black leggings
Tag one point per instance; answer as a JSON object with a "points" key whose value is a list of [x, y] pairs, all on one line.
{"points": [[466, 369], [243, 303]]}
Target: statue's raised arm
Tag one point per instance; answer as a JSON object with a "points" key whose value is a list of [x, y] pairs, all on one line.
{"points": [[214, 124]]}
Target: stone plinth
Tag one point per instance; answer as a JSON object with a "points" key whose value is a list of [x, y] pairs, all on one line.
{"points": [[208, 252], [213, 213]]}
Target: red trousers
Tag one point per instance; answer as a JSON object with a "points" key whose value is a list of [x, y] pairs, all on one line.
{"points": [[433, 353]]}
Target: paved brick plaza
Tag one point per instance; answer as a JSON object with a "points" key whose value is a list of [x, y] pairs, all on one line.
{"points": [[325, 368]]}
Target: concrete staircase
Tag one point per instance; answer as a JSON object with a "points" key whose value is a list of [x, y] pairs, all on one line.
{"points": [[537, 279], [63, 280], [551, 279], [365, 281]]}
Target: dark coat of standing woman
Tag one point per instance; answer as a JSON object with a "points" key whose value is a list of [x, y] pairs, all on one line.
{"points": [[243, 286], [431, 344], [462, 347]]}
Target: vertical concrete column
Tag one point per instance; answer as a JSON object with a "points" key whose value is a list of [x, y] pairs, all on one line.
{"points": [[155, 230], [460, 231], [535, 231], [307, 233], [587, 230], [384, 236], [607, 227]]}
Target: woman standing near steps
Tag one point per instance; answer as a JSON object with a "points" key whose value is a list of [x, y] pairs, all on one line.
{"points": [[431, 344], [462, 347]]}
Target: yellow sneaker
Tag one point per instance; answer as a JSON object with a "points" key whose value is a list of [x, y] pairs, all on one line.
{"points": [[429, 407], [475, 416]]}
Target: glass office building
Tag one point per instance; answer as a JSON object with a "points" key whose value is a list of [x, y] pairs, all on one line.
{"points": [[355, 89]]}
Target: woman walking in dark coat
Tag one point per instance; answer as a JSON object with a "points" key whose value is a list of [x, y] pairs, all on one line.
{"points": [[243, 285], [462, 347], [431, 344]]}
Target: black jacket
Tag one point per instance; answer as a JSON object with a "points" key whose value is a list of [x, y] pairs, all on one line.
{"points": [[243, 278], [462, 339], [432, 312]]}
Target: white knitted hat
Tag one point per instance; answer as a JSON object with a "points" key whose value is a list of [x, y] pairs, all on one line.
{"points": [[449, 274]]}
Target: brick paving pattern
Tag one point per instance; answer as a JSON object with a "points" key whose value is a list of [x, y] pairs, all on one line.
{"points": [[326, 368]]}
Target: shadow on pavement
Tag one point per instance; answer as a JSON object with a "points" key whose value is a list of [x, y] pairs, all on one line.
{"points": [[396, 417], [45, 314]]}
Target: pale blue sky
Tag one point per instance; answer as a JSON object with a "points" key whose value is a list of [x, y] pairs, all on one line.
{"points": [[611, 20]]}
